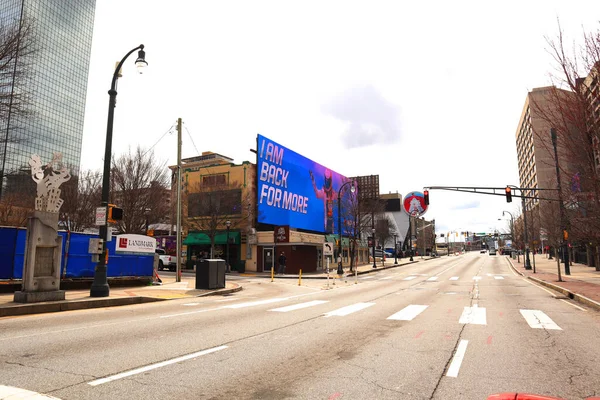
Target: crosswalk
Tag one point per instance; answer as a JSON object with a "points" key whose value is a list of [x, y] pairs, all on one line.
{"points": [[471, 315], [436, 278]]}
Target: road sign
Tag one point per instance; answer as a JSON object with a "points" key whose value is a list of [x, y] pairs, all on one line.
{"points": [[327, 249], [100, 216]]}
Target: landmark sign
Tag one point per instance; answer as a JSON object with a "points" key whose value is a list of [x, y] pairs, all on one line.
{"points": [[414, 204]]}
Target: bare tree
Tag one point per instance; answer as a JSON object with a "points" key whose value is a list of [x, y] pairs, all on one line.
{"points": [[11, 211], [210, 205], [81, 195], [17, 46], [576, 121], [139, 187]]}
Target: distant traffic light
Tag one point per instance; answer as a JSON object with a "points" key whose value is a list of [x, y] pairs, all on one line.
{"points": [[426, 195], [565, 235], [508, 195]]}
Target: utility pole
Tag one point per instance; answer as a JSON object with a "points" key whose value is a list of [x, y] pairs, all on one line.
{"points": [[178, 277], [563, 222]]}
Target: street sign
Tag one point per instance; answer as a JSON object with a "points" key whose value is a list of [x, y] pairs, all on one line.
{"points": [[100, 216], [328, 249]]}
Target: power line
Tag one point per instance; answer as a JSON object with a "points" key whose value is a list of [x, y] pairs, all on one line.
{"points": [[190, 135], [163, 135]]}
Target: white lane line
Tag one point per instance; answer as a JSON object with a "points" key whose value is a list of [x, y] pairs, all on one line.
{"points": [[257, 303], [473, 315], [189, 313], [538, 320], [450, 267], [432, 279], [15, 393], [154, 366], [341, 312], [457, 359], [408, 313], [476, 278], [368, 277], [299, 306], [386, 278], [409, 278], [574, 305], [454, 278], [539, 287], [498, 277]]}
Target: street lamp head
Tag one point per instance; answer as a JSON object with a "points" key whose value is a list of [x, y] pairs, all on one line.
{"points": [[228, 223], [373, 230], [141, 62], [352, 188]]}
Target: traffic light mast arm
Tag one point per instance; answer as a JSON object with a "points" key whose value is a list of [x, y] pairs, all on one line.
{"points": [[494, 191]]}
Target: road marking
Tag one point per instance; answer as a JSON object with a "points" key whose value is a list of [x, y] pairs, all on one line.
{"points": [[574, 305], [498, 277], [489, 340], [386, 278], [299, 306], [192, 304], [189, 313], [257, 303], [154, 366], [10, 392], [454, 278], [367, 277], [473, 315], [409, 278], [539, 287], [476, 278], [418, 335], [457, 359], [433, 278], [538, 320], [341, 312], [408, 313]]}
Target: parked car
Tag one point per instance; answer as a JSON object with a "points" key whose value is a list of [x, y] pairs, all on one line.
{"points": [[381, 254], [166, 260]]}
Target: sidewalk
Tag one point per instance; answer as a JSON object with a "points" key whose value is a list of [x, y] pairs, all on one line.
{"points": [[125, 295], [119, 296], [582, 285]]}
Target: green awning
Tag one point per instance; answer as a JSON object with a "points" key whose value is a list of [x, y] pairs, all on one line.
{"points": [[333, 238], [199, 238]]}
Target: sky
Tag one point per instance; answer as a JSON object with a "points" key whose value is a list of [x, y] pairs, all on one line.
{"points": [[420, 93]]}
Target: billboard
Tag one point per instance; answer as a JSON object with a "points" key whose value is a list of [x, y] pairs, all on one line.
{"points": [[296, 191]]}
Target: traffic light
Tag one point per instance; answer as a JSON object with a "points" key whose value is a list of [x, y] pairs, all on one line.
{"points": [[114, 213], [426, 195], [565, 235], [508, 194]]}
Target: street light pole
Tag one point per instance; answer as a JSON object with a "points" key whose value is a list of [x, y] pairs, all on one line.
{"points": [[146, 211], [340, 269], [100, 286], [373, 243], [512, 227], [410, 238], [228, 223], [563, 222], [395, 250]]}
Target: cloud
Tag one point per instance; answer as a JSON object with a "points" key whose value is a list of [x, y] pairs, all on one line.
{"points": [[370, 118], [467, 206]]}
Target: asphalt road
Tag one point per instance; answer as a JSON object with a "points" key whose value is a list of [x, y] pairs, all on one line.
{"points": [[451, 328]]}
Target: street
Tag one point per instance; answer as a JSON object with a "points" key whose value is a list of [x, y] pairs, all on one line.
{"points": [[459, 327]]}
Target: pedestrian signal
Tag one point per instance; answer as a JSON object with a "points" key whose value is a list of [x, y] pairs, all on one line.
{"points": [[114, 213], [508, 194]]}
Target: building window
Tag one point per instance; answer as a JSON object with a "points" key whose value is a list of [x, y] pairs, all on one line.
{"points": [[214, 180]]}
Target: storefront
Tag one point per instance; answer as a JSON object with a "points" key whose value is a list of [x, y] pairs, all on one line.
{"points": [[303, 251], [198, 247]]}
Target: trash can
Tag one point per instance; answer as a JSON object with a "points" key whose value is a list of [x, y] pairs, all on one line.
{"points": [[210, 274]]}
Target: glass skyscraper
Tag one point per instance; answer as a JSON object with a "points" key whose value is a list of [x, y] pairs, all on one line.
{"points": [[57, 86]]}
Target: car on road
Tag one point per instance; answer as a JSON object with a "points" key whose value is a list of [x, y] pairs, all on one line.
{"points": [[492, 252]]}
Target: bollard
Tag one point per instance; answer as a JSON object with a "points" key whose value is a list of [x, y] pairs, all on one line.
{"points": [[300, 278], [272, 273], [327, 272], [356, 275]]}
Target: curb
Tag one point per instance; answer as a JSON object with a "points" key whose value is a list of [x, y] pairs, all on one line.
{"points": [[66, 305], [574, 296], [221, 292]]}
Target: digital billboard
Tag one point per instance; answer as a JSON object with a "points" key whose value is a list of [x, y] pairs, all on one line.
{"points": [[296, 191]]}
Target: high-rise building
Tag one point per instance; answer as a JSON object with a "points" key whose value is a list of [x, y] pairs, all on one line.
{"points": [[57, 86]]}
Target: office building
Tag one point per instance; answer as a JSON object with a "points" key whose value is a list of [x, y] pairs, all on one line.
{"points": [[57, 86]]}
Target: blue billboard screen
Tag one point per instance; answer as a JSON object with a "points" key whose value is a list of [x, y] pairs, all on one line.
{"points": [[294, 190]]}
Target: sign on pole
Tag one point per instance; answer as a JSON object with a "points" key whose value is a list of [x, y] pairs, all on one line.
{"points": [[100, 216], [328, 249]]}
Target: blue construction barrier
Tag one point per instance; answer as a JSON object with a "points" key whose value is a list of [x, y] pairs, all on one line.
{"points": [[76, 261]]}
